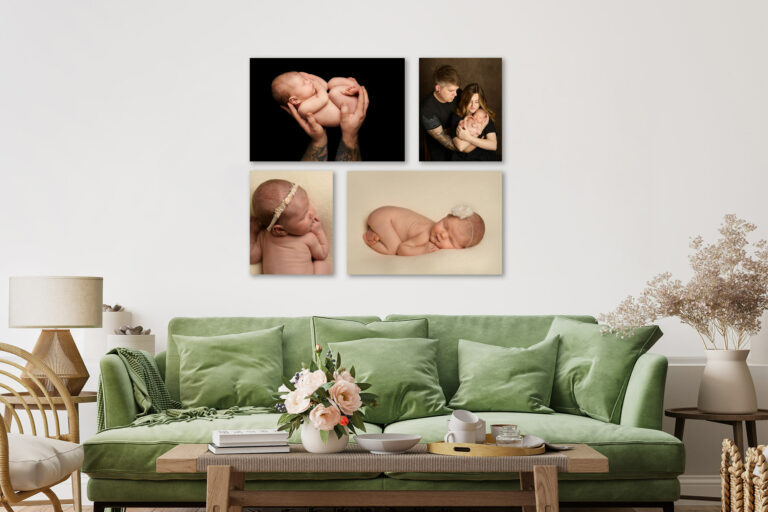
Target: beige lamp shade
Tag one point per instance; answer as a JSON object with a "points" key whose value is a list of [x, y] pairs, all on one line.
{"points": [[63, 302]]}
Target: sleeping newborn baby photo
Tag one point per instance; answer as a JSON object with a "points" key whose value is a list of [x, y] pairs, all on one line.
{"points": [[287, 237], [310, 94], [393, 230]]}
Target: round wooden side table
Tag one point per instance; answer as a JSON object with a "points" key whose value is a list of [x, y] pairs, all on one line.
{"points": [[734, 420], [83, 398]]}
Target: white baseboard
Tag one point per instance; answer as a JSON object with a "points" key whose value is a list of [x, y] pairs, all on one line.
{"points": [[699, 485]]}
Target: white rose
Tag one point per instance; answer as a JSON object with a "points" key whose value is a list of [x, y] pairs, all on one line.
{"points": [[324, 418], [346, 395], [283, 389], [311, 381], [345, 375], [296, 403]]}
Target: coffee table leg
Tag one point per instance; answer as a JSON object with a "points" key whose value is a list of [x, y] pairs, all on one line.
{"points": [[238, 484], [219, 484], [545, 484], [526, 484]]}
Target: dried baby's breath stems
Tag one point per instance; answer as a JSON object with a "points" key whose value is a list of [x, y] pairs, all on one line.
{"points": [[724, 299]]}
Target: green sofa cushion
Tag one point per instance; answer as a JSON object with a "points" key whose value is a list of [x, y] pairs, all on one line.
{"points": [[632, 452], [506, 379], [505, 331], [333, 330], [232, 369], [593, 369], [296, 339], [130, 452], [402, 373], [193, 491]]}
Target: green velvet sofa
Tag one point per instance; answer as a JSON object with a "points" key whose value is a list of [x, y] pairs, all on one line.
{"points": [[644, 461]]}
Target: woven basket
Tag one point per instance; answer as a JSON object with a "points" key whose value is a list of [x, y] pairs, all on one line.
{"points": [[742, 490]]}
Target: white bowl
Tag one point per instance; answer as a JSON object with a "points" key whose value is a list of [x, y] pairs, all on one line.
{"points": [[385, 444]]}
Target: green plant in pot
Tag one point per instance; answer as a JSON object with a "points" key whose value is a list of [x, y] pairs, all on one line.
{"points": [[723, 301]]}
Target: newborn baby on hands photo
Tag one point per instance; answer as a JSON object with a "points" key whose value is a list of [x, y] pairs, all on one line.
{"points": [[287, 237], [310, 94], [393, 230]]}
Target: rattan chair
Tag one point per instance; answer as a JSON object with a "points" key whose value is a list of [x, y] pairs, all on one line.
{"points": [[35, 454]]}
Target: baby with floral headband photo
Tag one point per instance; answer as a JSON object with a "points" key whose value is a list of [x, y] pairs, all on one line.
{"points": [[287, 237], [393, 230]]}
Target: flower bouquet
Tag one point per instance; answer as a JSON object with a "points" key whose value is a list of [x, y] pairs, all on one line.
{"points": [[325, 396]]}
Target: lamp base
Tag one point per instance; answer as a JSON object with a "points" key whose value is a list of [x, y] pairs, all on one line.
{"points": [[57, 349]]}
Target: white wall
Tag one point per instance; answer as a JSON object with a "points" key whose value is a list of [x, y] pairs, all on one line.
{"points": [[629, 126]]}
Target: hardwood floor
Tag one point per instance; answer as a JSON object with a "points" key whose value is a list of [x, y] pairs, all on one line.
{"points": [[68, 508]]}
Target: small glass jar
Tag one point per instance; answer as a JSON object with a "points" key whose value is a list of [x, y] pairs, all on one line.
{"points": [[509, 437]]}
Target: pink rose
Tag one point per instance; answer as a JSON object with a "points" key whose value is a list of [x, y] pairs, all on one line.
{"points": [[296, 403], [324, 418], [309, 382], [346, 395], [345, 375]]}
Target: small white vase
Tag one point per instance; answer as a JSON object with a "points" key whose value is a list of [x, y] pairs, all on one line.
{"points": [[313, 443], [144, 342], [726, 384]]}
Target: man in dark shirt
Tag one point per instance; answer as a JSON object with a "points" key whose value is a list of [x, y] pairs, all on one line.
{"points": [[436, 110]]}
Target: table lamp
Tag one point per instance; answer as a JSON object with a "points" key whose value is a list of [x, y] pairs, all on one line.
{"points": [[57, 304]]}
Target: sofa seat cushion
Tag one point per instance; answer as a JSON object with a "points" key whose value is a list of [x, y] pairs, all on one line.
{"points": [[130, 452], [37, 461], [635, 453]]}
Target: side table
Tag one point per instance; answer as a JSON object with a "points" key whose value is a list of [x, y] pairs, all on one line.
{"points": [[734, 420], [83, 398]]}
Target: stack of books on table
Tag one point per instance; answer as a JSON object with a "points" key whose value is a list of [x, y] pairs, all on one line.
{"points": [[249, 441]]}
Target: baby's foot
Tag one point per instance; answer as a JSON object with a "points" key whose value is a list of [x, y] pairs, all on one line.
{"points": [[371, 237]]}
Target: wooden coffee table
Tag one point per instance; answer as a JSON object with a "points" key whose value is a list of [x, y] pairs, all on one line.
{"points": [[226, 477]]}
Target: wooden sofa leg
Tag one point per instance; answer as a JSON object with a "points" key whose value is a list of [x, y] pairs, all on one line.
{"points": [[668, 507], [98, 507]]}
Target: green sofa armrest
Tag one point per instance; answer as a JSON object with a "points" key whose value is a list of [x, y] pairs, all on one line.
{"points": [[117, 392], [644, 400]]}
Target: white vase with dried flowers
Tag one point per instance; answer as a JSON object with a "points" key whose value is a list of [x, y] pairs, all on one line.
{"points": [[723, 302]]}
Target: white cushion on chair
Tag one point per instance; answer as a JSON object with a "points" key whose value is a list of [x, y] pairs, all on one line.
{"points": [[37, 461]]}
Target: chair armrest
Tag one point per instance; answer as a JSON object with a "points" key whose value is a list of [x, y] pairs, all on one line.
{"points": [[644, 400], [117, 392]]}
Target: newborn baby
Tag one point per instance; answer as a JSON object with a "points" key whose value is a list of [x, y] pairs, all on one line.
{"points": [[400, 231], [475, 123], [310, 94], [286, 235]]}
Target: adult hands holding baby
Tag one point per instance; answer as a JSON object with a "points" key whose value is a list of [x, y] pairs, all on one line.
{"points": [[318, 147], [351, 122]]}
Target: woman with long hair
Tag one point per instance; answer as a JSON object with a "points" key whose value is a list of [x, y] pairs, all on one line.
{"points": [[469, 147]]}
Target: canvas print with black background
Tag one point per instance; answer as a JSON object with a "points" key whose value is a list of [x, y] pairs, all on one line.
{"points": [[315, 109]]}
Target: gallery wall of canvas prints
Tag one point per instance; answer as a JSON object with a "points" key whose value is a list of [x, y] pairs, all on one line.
{"points": [[295, 103], [460, 109], [424, 222], [291, 222]]}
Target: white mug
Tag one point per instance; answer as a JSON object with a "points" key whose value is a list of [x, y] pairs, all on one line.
{"points": [[480, 432], [460, 436], [463, 420]]}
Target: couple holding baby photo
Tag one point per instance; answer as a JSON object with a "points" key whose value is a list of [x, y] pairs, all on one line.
{"points": [[460, 123]]}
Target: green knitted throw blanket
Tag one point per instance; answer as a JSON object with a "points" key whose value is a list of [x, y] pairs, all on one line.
{"points": [[154, 402]]}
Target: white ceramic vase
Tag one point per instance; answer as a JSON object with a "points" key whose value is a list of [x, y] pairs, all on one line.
{"points": [[313, 443], [144, 342], [726, 384]]}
